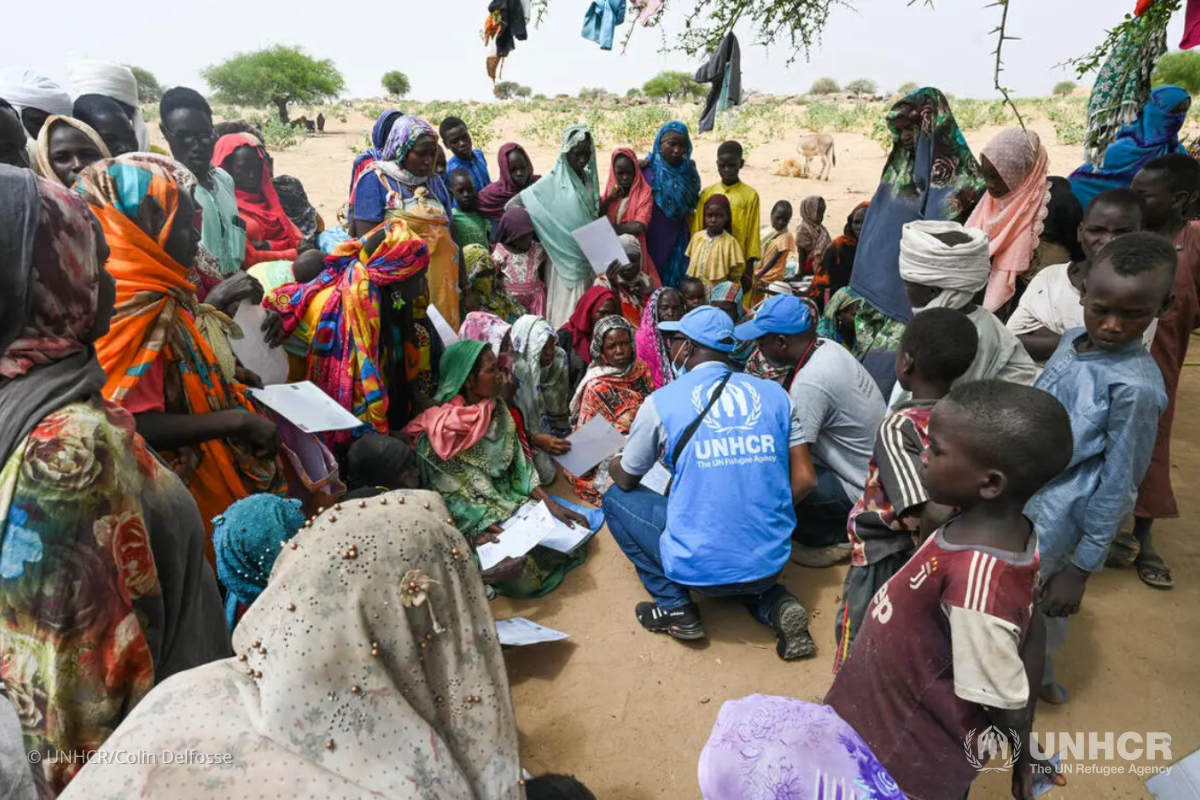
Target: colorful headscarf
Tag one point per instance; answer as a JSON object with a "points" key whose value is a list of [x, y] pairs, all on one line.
{"points": [[482, 326], [515, 224], [1154, 133], [561, 203], [937, 179], [344, 356], [247, 539], [726, 292], [676, 189], [376, 151], [405, 134], [580, 324], [652, 346], [1015, 221], [495, 195], [44, 167], [599, 370], [264, 208], [486, 286], [827, 326]]}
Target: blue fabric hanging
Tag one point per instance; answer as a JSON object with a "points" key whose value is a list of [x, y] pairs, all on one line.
{"points": [[601, 21]]}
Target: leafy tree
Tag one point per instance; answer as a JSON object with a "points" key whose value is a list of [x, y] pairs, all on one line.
{"points": [[395, 83], [671, 85], [149, 89], [523, 91], [1180, 68], [275, 76], [634, 92], [861, 86], [506, 90], [825, 86], [1064, 88], [593, 94], [908, 88]]}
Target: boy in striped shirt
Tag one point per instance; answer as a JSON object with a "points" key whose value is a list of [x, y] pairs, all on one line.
{"points": [[895, 513]]}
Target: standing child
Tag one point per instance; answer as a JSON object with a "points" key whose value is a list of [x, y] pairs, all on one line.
{"points": [[1115, 394], [744, 210], [521, 260], [714, 255], [694, 294], [472, 228], [778, 245], [951, 644], [463, 155], [895, 514]]}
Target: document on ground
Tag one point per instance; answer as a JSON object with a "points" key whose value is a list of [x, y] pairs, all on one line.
{"points": [[590, 445], [306, 406], [519, 631]]}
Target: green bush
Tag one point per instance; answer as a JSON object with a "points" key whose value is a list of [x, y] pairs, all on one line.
{"points": [[1064, 88], [825, 86]]}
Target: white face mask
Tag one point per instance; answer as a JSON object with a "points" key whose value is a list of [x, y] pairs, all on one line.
{"points": [[681, 369]]}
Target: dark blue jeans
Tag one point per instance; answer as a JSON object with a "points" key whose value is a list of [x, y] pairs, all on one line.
{"points": [[822, 515], [637, 520]]}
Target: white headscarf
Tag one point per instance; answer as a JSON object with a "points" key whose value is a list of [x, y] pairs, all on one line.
{"points": [[24, 88], [960, 271], [368, 667], [89, 76]]}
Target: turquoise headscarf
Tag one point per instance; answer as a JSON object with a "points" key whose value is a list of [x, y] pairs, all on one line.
{"points": [[247, 539], [561, 203], [676, 189]]}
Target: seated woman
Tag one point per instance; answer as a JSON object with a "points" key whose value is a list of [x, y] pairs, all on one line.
{"points": [[487, 285], [838, 261], [299, 210], [378, 464], [654, 346], [247, 539], [521, 260], [103, 587], [575, 338], [159, 366], [408, 652], [616, 385], [471, 455], [543, 392], [270, 234], [65, 146], [629, 282]]}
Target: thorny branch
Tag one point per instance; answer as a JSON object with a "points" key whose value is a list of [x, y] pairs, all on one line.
{"points": [[1001, 31]]}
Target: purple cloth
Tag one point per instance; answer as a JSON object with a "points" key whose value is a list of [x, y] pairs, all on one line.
{"points": [[667, 241], [774, 747]]}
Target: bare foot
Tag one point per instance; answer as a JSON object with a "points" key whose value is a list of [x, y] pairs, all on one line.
{"points": [[1053, 694]]}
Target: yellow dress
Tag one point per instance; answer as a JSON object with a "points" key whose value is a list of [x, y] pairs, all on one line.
{"points": [[715, 260], [744, 205]]}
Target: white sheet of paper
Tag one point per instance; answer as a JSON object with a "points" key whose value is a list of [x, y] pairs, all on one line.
{"points": [[268, 363], [520, 536], [520, 631], [444, 331], [600, 245], [306, 407], [589, 446], [563, 537], [657, 479]]}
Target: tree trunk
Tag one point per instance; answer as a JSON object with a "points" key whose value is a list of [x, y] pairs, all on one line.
{"points": [[281, 103]]}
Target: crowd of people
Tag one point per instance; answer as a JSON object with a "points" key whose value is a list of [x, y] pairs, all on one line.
{"points": [[963, 396]]}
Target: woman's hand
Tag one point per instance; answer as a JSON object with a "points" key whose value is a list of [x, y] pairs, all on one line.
{"points": [[550, 443], [272, 330], [238, 288], [564, 514], [508, 570], [247, 377], [260, 433], [491, 535]]}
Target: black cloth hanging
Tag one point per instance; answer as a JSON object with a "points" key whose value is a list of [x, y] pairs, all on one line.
{"points": [[723, 67], [512, 20]]}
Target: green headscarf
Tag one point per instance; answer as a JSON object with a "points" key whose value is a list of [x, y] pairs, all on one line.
{"points": [[455, 367]]}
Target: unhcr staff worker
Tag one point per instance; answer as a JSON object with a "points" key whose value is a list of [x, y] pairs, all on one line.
{"points": [[725, 529]]}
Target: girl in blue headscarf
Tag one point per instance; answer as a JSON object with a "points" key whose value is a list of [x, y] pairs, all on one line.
{"points": [[672, 175], [376, 152], [1154, 133]]}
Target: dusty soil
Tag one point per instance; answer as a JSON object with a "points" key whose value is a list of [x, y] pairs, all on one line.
{"points": [[628, 711]]}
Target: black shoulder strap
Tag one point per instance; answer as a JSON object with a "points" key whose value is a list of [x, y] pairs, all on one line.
{"points": [[690, 431]]}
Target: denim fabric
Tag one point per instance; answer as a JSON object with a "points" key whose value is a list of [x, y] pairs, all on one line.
{"points": [[823, 514]]}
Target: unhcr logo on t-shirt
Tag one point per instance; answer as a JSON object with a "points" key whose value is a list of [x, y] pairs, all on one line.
{"points": [[738, 409]]}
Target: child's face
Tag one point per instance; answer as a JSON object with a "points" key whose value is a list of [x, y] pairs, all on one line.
{"points": [[421, 159], [856, 222], [994, 183], [624, 173], [1105, 222], [716, 218], [518, 169], [729, 167], [459, 142], [920, 295], [953, 476], [693, 295], [521, 244], [781, 217], [463, 189], [1162, 204], [1117, 309]]}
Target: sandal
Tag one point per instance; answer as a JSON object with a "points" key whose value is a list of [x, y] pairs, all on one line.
{"points": [[1154, 572], [821, 557], [682, 623], [1124, 550]]}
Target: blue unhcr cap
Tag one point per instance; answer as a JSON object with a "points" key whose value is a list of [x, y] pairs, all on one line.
{"points": [[784, 314], [705, 325]]}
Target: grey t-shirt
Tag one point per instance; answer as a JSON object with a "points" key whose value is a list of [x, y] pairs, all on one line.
{"points": [[840, 409]]}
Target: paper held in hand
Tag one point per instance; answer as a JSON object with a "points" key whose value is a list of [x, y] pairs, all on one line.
{"points": [[590, 445], [600, 245], [532, 525], [444, 331], [270, 364], [306, 406], [520, 631]]}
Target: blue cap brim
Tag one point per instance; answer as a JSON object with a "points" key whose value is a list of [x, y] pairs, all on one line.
{"points": [[670, 327], [747, 331]]}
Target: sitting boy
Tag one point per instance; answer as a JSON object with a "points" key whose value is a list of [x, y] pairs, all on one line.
{"points": [[1114, 392], [952, 643], [894, 514]]}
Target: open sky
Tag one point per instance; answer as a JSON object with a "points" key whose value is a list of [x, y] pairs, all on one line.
{"points": [[436, 42]]}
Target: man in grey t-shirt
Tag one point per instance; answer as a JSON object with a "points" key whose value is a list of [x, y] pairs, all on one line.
{"points": [[840, 409]]}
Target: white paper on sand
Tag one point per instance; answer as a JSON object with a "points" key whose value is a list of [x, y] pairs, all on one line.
{"points": [[444, 331], [590, 445], [306, 407], [268, 363], [600, 245], [1180, 782], [658, 479], [519, 631]]}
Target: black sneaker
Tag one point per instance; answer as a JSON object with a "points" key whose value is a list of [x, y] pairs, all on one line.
{"points": [[790, 621], [682, 623]]}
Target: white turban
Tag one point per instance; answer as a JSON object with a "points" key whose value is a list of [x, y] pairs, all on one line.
{"points": [[631, 246], [960, 271], [89, 76], [24, 88]]}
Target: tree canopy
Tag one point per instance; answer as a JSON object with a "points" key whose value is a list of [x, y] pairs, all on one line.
{"points": [[395, 83], [1180, 68], [907, 88], [825, 86], [861, 86], [506, 90], [275, 76], [671, 86], [149, 89], [1064, 88]]}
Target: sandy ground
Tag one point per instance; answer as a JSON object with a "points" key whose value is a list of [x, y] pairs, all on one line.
{"points": [[628, 711]]}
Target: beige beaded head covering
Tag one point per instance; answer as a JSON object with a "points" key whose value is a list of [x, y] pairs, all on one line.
{"points": [[369, 664]]}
